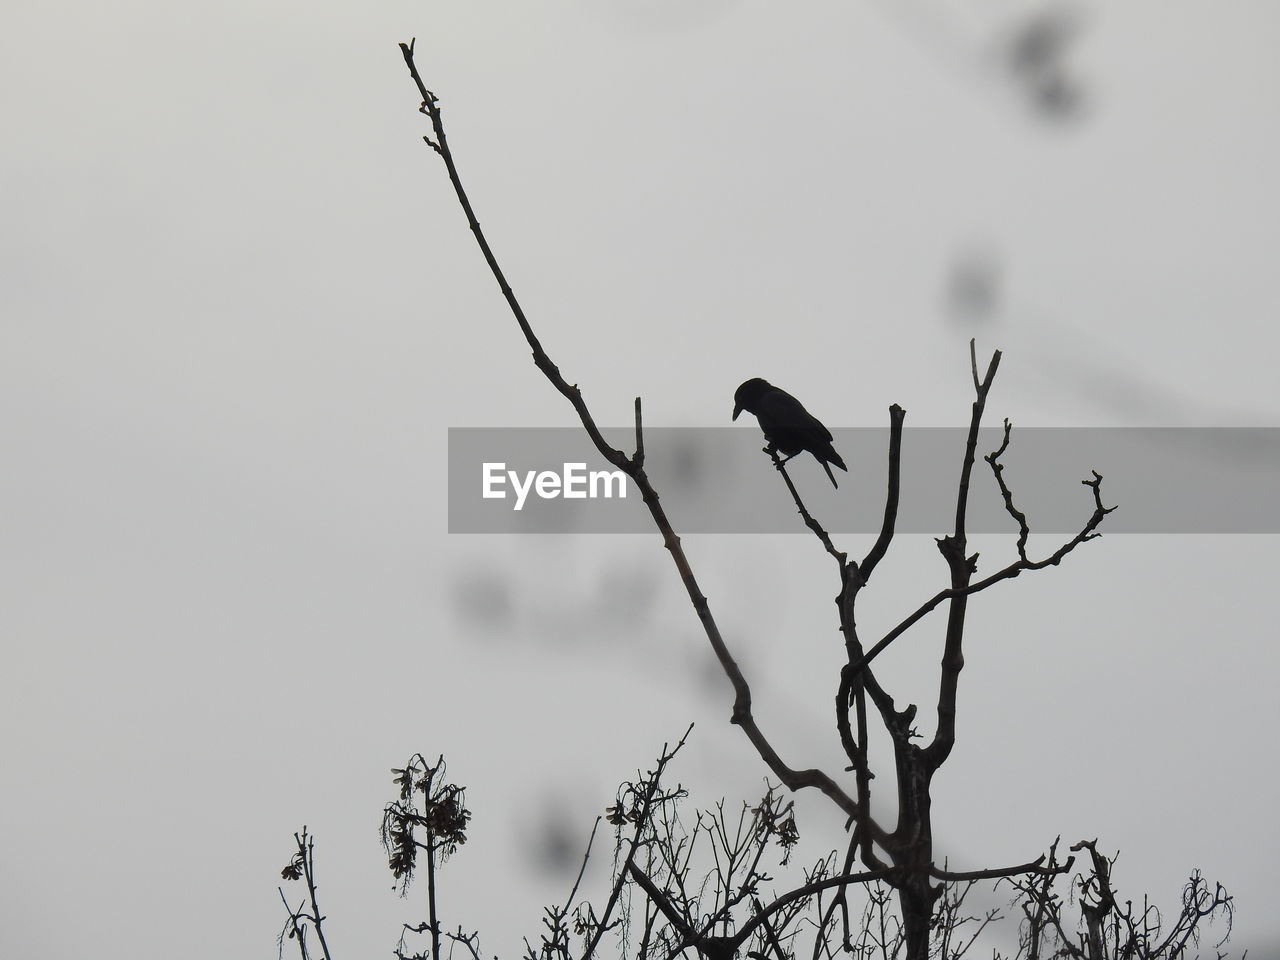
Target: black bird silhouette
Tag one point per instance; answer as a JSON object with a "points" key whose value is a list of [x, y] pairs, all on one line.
{"points": [[787, 425]]}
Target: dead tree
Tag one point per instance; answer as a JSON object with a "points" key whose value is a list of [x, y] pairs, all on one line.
{"points": [[902, 855]]}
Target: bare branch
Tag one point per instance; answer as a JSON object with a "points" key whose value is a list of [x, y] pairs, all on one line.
{"points": [[997, 468], [896, 417], [809, 889], [809, 521], [975, 421], [742, 716], [962, 567], [583, 869], [1033, 867], [638, 459], [1009, 572]]}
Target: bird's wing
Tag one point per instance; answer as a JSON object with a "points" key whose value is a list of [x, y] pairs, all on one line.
{"points": [[780, 409]]}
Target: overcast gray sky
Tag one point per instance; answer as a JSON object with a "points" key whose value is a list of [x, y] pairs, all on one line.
{"points": [[241, 309]]}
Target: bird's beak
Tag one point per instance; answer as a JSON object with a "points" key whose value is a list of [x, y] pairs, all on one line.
{"points": [[737, 410]]}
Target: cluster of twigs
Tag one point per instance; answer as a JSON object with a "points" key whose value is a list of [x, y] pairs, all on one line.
{"points": [[708, 887], [732, 907], [1109, 929]]}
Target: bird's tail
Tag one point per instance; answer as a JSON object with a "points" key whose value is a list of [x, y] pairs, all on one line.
{"points": [[830, 456]]}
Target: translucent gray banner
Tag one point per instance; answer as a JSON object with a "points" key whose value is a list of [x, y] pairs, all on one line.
{"points": [[717, 480]]}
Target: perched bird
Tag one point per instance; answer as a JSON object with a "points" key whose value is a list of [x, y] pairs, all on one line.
{"points": [[788, 426]]}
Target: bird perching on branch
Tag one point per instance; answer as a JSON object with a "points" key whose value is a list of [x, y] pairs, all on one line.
{"points": [[787, 425]]}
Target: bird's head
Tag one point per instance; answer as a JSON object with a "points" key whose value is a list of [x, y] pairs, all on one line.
{"points": [[745, 397]]}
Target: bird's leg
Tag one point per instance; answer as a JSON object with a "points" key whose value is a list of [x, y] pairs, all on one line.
{"points": [[778, 462]]}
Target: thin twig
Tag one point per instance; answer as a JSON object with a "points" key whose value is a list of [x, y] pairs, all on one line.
{"points": [[809, 521]]}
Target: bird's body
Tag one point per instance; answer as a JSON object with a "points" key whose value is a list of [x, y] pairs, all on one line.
{"points": [[787, 425]]}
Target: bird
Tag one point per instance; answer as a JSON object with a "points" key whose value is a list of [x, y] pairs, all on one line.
{"points": [[787, 425]]}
